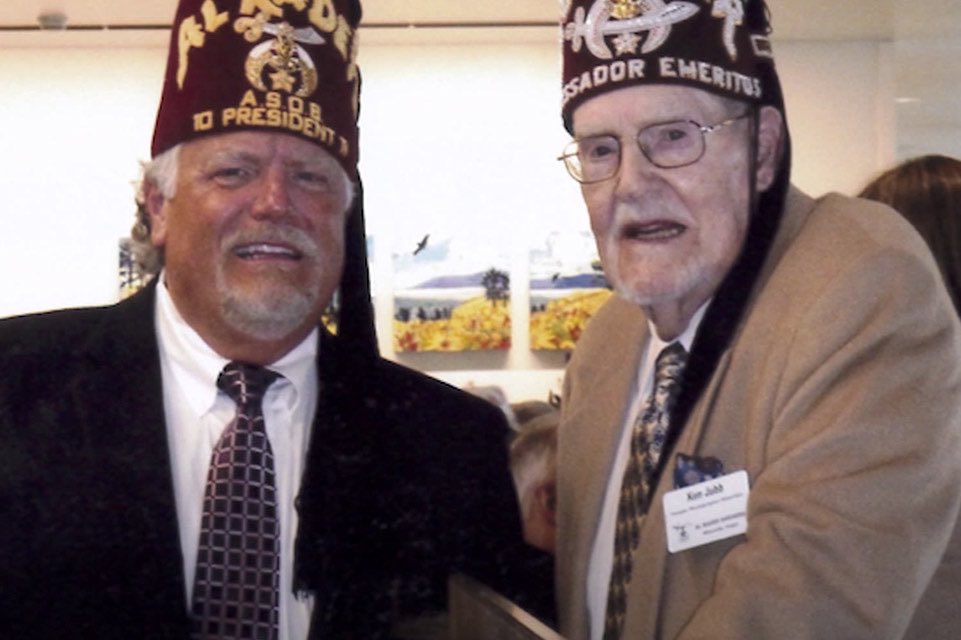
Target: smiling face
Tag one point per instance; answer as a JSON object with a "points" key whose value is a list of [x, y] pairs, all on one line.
{"points": [[253, 240], [667, 237]]}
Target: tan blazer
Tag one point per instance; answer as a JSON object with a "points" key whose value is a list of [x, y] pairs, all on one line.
{"points": [[840, 395]]}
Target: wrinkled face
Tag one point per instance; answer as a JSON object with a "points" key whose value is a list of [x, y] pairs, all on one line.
{"points": [[254, 235], [669, 236]]}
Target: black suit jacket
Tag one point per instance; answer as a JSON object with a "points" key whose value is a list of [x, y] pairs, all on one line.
{"points": [[406, 480]]}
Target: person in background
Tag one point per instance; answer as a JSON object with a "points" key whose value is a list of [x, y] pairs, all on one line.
{"points": [[204, 459], [927, 191], [533, 455], [761, 432], [495, 395]]}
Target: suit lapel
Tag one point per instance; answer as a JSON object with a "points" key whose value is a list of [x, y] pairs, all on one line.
{"points": [[589, 437], [597, 430], [120, 405]]}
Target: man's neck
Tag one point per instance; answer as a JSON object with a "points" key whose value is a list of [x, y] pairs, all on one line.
{"points": [[670, 320], [263, 352]]}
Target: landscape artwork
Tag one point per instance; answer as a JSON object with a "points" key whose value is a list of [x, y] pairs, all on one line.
{"points": [[567, 286], [451, 293], [131, 279]]}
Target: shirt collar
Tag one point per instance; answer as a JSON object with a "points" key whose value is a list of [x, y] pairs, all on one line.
{"points": [[197, 365]]}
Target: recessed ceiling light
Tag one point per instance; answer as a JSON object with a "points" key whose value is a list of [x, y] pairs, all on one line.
{"points": [[52, 20]]}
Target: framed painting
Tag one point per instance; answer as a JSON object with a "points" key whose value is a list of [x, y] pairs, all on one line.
{"points": [[567, 286], [451, 294]]}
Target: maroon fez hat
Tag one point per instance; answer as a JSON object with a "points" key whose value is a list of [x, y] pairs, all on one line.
{"points": [[259, 65], [720, 46]]}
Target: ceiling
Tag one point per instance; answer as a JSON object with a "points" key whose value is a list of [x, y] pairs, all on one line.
{"points": [[926, 35], [794, 19]]}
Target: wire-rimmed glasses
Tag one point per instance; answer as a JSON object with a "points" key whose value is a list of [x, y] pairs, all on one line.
{"points": [[667, 145]]}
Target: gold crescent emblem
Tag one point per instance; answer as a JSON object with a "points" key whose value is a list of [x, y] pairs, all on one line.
{"points": [[288, 65]]}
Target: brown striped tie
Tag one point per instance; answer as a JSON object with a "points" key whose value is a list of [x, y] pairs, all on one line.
{"points": [[647, 442]]}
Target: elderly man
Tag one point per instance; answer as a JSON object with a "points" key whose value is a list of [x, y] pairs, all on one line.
{"points": [[761, 434], [204, 460]]}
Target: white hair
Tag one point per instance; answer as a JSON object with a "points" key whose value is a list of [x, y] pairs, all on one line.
{"points": [[162, 172], [533, 455]]}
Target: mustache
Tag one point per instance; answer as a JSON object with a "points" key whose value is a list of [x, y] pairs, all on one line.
{"points": [[625, 215], [627, 212], [292, 237]]}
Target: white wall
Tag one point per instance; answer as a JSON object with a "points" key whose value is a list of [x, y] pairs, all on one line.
{"points": [[840, 108], [73, 124], [466, 124]]}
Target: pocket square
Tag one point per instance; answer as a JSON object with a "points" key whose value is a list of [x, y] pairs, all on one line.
{"points": [[690, 470]]}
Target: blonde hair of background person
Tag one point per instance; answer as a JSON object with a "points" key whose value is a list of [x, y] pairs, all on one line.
{"points": [[927, 191], [533, 460]]}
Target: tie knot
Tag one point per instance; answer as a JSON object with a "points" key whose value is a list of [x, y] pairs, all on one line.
{"points": [[670, 364], [245, 383]]}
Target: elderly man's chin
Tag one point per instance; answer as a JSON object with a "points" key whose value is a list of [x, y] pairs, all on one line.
{"points": [[647, 290], [643, 296]]}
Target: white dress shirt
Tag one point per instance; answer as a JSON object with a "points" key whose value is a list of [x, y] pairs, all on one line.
{"points": [[197, 413], [602, 553]]}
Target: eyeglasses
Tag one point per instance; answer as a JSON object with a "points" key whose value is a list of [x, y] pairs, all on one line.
{"points": [[667, 145]]}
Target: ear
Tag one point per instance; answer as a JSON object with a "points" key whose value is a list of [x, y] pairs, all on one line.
{"points": [[770, 146], [154, 201], [545, 498]]}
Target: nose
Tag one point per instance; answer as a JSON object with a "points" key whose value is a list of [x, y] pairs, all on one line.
{"points": [[636, 173], [272, 199]]}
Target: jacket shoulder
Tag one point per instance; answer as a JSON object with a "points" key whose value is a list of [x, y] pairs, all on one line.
{"points": [[49, 332], [377, 386], [617, 326], [401, 391], [841, 228]]}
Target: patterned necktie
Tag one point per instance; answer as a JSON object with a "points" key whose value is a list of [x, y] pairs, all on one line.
{"points": [[647, 442], [237, 580]]}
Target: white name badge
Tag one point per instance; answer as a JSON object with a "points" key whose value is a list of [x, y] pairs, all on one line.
{"points": [[706, 512]]}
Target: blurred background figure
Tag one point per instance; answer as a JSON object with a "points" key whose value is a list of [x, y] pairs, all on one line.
{"points": [[533, 455], [496, 396], [927, 191]]}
